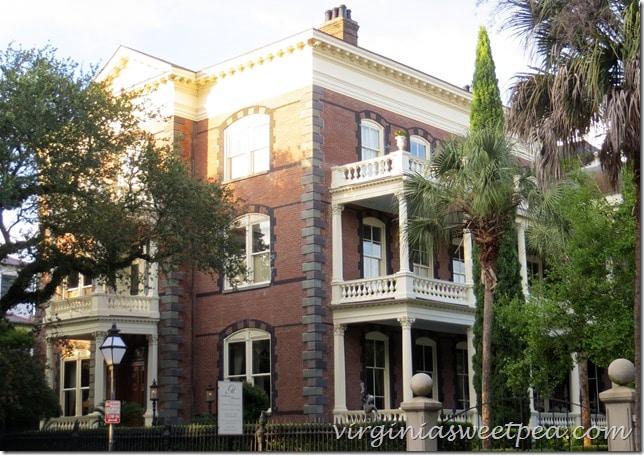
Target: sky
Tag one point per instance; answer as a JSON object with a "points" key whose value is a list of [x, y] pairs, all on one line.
{"points": [[437, 37]]}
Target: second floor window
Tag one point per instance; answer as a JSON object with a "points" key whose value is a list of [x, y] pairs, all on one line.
{"points": [[247, 147], [253, 230], [458, 261], [419, 147], [371, 140], [422, 263], [373, 248]]}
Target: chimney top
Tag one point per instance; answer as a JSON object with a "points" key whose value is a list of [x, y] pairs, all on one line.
{"points": [[338, 23]]}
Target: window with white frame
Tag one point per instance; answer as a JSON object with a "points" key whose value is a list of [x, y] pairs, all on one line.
{"points": [[422, 263], [535, 270], [377, 368], [419, 147], [248, 358], [74, 390], [457, 258], [371, 140], [425, 361], [462, 376], [373, 247], [253, 230], [247, 146], [78, 284]]}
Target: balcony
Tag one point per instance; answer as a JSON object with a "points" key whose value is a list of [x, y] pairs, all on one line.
{"points": [[395, 164], [401, 286], [97, 305]]}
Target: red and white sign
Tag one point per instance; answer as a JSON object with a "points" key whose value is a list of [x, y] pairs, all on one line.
{"points": [[112, 411]]}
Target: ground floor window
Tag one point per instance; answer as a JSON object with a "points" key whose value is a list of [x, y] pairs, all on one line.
{"points": [[248, 358], [462, 377], [75, 383], [425, 361], [376, 366]]}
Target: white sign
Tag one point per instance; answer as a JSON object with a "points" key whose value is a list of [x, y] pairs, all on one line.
{"points": [[230, 408], [112, 411]]}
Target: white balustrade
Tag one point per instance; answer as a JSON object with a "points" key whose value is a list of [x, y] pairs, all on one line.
{"points": [[396, 163], [96, 304]]}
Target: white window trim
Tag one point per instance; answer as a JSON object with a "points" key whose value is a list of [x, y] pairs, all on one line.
{"points": [[426, 341], [381, 139], [374, 222], [77, 356], [379, 336], [247, 336], [429, 266], [246, 222], [421, 140], [245, 126], [462, 346]]}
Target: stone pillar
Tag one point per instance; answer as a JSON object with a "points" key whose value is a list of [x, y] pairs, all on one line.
{"points": [[620, 407], [49, 372], [470, 374], [523, 257], [421, 414], [407, 364], [336, 251], [339, 368], [469, 266], [575, 392]]}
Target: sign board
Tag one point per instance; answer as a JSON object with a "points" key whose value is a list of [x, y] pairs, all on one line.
{"points": [[230, 407], [112, 411]]}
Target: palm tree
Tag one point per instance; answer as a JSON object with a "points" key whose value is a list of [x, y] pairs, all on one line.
{"points": [[588, 75], [473, 185]]}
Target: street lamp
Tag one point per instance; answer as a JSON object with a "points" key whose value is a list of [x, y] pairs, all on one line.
{"points": [[113, 349], [210, 397], [154, 397]]}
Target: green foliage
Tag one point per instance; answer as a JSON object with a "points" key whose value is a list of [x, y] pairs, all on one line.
{"points": [[255, 401], [91, 190], [486, 110], [25, 397]]}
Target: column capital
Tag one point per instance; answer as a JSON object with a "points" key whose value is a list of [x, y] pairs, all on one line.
{"points": [[406, 322], [338, 329], [153, 339], [337, 208]]}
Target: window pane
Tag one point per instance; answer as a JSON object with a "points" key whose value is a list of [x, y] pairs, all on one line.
{"points": [[418, 148], [261, 357], [236, 359], [260, 236], [70, 403], [85, 398], [73, 280], [264, 382], [261, 268], [70, 374], [85, 373]]}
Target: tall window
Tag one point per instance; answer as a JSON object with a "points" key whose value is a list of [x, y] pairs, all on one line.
{"points": [[78, 284], [373, 248], [254, 236], [377, 369], [371, 139], [462, 377], [594, 387], [458, 261], [248, 358], [75, 383], [422, 262], [247, 146], [419, 147], [425, 360]]}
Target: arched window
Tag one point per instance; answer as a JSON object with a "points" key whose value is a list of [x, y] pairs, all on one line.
{"points": [[247, 146], [248, 358], [254, 234], [373, 248], [371, 139], [425, 361], [377, 368], [419, 147]]}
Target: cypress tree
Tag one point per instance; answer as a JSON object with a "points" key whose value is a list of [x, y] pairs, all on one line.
{"points": [[487, 108]]}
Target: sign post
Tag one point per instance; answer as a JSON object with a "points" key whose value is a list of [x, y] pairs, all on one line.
{"points": [[230, 407], [112, 411]]}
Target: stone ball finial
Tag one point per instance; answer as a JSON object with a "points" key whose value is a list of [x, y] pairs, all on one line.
{"points": [[421, 384], [621, 371]]}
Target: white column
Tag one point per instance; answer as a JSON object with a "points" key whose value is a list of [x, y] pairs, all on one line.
{"points": [[402, 233], [99, 369], [407, 364], [152, 373], [336, 234], [469, 266], [339, 368], [575, 391], [523, 257], [49, 372], [152, 278]]}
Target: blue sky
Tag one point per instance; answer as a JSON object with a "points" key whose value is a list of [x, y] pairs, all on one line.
{"points": [[437, 37]]}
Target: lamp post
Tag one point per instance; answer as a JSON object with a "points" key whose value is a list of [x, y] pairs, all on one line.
{"points": [[210, 397], [113, 350], [154, 397]]}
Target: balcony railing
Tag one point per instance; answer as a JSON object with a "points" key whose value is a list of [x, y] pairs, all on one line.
{"points": [[399, 286], [394, 164], [103, 304]]}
